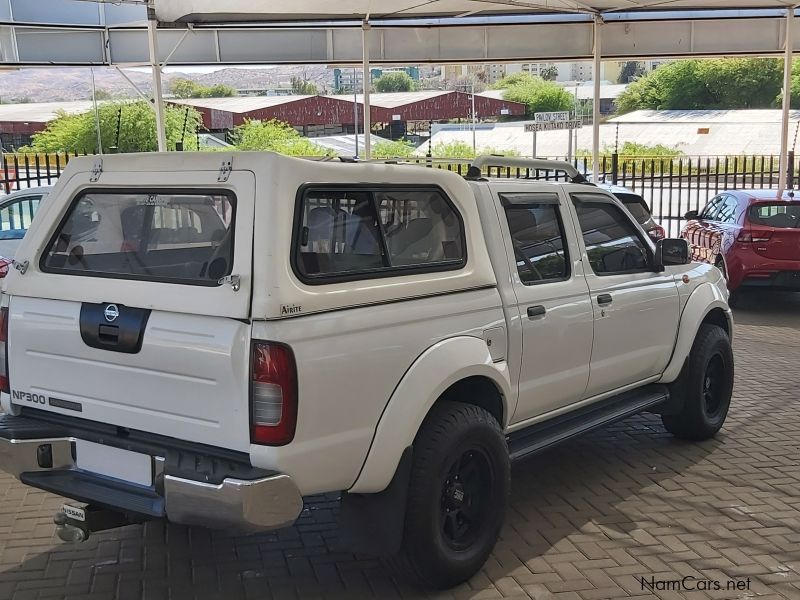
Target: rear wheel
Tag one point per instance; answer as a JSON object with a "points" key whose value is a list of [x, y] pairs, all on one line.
{"points": [[457, 497], [706, 384]]}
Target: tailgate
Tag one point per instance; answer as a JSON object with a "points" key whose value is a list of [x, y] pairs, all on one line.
{"points": [[188, 380], [123, 315]]}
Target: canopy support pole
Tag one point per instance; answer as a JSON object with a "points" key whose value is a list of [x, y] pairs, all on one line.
{"points": [[158, 90], [598, 20], [787, 100], [367, 116]]}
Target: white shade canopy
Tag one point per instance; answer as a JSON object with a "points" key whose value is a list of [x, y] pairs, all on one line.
{"points": [[214, 11]]}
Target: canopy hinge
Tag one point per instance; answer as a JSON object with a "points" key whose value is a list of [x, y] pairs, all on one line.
{"points": [[235, 281], [20, 266], [97, 170], [225, 170]]}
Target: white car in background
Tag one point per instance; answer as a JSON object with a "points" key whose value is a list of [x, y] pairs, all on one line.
{"points": [[16, 214]]}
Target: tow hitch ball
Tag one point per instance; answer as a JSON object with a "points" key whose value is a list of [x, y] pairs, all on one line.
{"points": [[76, 524], [67, 530]]}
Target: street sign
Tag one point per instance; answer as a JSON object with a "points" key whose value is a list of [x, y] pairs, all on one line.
{"points": [[552, 125], [550, 117]]}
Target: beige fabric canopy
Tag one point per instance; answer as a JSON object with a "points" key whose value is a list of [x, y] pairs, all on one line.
{"points": [[261, 11], [208, 11]]}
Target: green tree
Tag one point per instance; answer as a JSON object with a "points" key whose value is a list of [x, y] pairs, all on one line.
{"points": [[396, 81], [137, 131], [549, 73], [275, 136], [536, 93], [302, 87], [102, 94], [452, 150], [458, 149], [634, 149], [630, 71], [183, 88], [795, 87], [513, 79], [392, 149], [218, 90], [725, 83], [186, 88]]}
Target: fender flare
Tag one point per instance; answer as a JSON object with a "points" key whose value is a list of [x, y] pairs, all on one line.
{"points": [[705, 298], [435, 370]]}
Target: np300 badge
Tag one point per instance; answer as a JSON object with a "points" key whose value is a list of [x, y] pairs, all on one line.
{"points": [[111, 313]]}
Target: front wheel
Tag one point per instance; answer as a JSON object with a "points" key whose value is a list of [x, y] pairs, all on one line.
{"points": [[457, 497], [706, 384]]}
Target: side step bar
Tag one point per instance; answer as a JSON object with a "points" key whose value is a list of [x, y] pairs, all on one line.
{"points": [[536, 438]]}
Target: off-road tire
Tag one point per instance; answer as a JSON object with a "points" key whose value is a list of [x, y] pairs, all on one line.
{"points": [[705, 384], [454, 435]]}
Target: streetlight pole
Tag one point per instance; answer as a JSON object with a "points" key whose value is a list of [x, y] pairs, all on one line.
{"points": [[471, 87]]}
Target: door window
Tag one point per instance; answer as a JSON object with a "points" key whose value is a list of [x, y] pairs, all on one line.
{"points": [[16, 217], [613, 243], [711, 209], [727, 212], [537, 235]]}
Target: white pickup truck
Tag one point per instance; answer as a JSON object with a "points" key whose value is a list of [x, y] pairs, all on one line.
{"points": [[207, 339]]}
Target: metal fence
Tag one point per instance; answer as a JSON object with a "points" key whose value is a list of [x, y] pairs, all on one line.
{"points": [[670, 185], [21, 171]]}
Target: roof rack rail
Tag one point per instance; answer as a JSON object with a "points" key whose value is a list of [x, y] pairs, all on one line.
{"points": [[490, 160]]}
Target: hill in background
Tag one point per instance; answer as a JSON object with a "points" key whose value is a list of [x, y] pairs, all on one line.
{"points": [[64, 84]]}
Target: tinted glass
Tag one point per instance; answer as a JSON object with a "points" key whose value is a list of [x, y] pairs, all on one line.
{"points": [[182, 237], [538, 239], [612, 241], [778, 214], [727, 212], [16, 217], [711, 209], [636, 206], [354, 232]]}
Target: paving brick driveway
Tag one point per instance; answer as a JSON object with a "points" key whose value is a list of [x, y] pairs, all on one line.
{"points": [[587, 519]]}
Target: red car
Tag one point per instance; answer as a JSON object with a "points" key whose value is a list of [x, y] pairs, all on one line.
{"points": [[751, 236]]}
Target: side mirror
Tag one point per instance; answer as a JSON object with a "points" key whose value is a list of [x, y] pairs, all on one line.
{"points": [[671, 251], [691, 215]]}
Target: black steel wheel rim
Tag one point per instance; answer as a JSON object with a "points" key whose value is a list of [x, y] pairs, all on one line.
{"points": [[713, 386], [465, 498]]}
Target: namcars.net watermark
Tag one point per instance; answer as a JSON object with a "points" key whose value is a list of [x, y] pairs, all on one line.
{"points": [[690, 584]]}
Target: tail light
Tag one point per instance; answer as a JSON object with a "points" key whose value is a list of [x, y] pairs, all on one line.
{"points": [[273, 394], [754, 236], [5, 264], [657, 233], [4, 384]]}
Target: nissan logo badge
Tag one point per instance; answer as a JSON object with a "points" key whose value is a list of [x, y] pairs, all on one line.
{"points": [[111, 312]]}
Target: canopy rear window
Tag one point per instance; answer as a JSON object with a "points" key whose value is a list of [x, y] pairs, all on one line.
{"points": [[169, 236]]}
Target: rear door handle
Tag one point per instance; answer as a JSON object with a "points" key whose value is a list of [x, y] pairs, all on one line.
{"points": [[536, 311], [604, 299]]}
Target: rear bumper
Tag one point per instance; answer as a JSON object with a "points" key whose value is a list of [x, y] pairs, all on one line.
{"points": [[39, 455], [777, 280], [748, 269]]}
